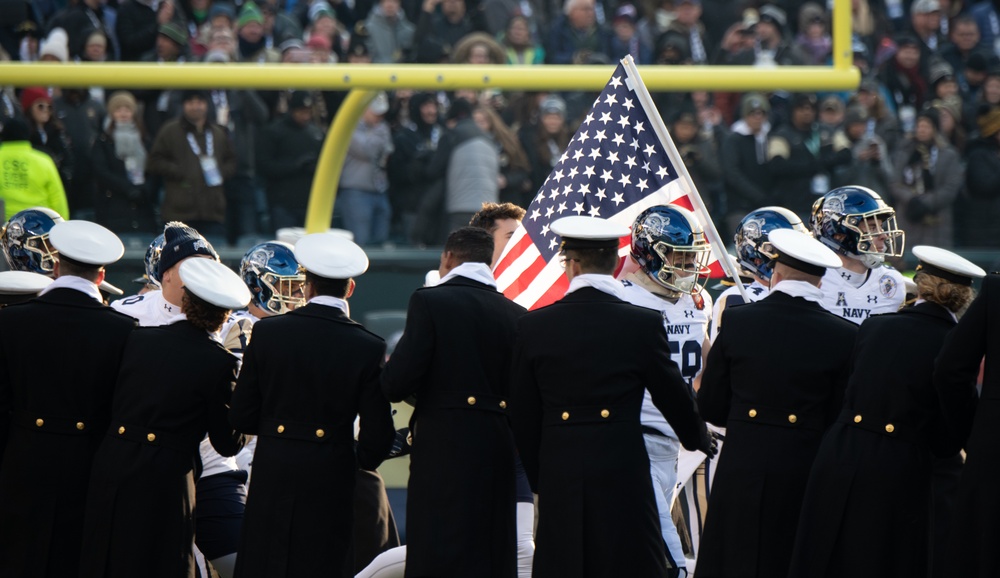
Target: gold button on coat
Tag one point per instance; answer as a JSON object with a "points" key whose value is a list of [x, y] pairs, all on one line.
{"points": [[605, 413], [471, 400], [503, 404], [752, 413], [792, 418], [80, 426], [565, 415], [320, 433], [39, 422], [151, 437], [889, 428], [121, 430], [857, 418], [281, 429]]}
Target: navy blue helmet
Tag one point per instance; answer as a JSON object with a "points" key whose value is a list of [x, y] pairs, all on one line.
{"points": [[152, 259], [856, 222], [273, 276], [753, 250], [669, 245], [25, 240]]}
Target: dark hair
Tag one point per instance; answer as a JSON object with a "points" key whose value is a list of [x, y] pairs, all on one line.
{"points": [[73, 268], [325, 286], [601, 261], [201, 313], [487, 217], [470, 245], [15, 129], [951, 296], [460, 109]]}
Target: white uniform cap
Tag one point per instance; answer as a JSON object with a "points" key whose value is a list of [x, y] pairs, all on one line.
{"points": [[22, 283], [291, 235], [85, 242], [800, 251], [215, 283], [432, 278], [331, 256], [581, 232], [947, 265]]}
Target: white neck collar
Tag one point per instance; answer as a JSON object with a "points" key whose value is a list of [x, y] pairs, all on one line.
{"points": [[76, 283], [604, 283], [479, 272]]}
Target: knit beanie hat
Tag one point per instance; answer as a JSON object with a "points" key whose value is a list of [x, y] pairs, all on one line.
{"points": [[181, 242], [250, 13], [121, 98], [173, 31], [33, 94]]}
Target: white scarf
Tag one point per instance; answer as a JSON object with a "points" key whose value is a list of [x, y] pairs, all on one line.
{"points": [[802, 289], [76, 283], [331, 301], [604, 283], [476, 271]]}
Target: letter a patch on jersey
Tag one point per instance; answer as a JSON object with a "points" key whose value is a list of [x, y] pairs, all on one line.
{"points": [[841, 300]]}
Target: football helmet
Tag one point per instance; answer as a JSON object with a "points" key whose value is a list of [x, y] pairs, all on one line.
{"points": [[753, 250], [273, 276], [25, 240], [856, 222], [152, 259], [669, 245]]}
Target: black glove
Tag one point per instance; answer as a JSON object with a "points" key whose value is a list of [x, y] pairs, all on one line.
{"points": [[710, 445]]}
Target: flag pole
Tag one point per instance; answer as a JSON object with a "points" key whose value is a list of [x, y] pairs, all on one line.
{"points": [[661, 131]]}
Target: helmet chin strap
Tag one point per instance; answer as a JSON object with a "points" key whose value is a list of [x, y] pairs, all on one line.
{"points": [[645, 280], [868, 260]]}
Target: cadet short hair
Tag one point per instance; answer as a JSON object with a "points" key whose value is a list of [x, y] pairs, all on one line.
{"points": [[73, 268], [470, 245], [487, 217], [602, 261], [324, 286]]}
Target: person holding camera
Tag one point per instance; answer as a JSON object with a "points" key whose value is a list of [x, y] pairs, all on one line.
{"points": [[870, 165]]}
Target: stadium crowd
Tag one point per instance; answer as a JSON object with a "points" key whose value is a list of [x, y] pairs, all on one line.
{"points": [[921, 130]]}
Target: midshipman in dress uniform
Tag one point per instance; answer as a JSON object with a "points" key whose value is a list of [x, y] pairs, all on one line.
{"points": [[20, 286], [581, 368], [861, 228], [866, 511], [59, 355], [775, 391], [306, 376]]}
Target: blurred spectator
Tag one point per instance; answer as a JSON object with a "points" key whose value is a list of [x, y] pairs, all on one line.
{"points": [[514, 177], [979, 225], [964, 37], [439, 31], [950, 121], [252, 45], [654, 19], [814, 35], [83, 119], [519, 45], [976, 68], [15, 16], [478, 48], [469, 162], [688, 24], [498, 13], [870, 164], [29, 178], [737, 39], [545, 140], [78, 20], [942, 80], [831, 116], [904, 78], [699, 151], [122, 202], [390, 34], [413, 146], [362, 198], [577, 34], [870, 98], [159, 106], [287, 153], [770, 45], [221, 41], [28, 38], [95, 46], [55, 47], [194, 157], [744, 153], [990, 93], [925, 25], [987, 16], [138, 25], [47, 132], [929, 175], [796, 158], [625, 39], [221, 16]]}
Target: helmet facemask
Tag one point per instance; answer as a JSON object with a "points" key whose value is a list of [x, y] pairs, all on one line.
{"points": [[685, 268], [873, 229], [285, 292]]}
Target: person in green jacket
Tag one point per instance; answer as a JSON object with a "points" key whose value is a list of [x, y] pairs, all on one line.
{"points": [[28, 178]]}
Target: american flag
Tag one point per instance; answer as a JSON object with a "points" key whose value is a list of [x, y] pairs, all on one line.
{"points": [[615, 167]]}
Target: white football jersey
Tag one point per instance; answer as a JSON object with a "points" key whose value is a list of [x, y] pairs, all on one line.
{"points": [[150, 309], [858, 296], [686, 324], [732, 296]]}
